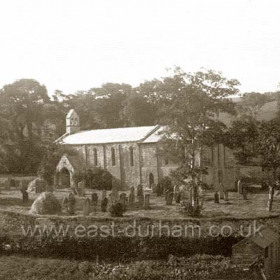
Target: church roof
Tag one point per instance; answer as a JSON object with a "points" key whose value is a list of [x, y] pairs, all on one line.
{"points": [[112, 135]]}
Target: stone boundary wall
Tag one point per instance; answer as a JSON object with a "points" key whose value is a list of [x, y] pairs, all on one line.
{"points": [[20, 225]]}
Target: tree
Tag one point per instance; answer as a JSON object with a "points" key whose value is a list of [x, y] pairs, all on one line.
{"points": [[251, 103], [109, 100], [192, 117], [269, 145], [138, 111], [242, 137], [21, 106]]}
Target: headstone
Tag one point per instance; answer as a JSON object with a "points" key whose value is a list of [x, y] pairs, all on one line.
{"points": [[226, 195], [123, 199], [221, 195], [23, 189], [81, 188], [139, 190], [71, 204], [140, 195], [8, 183], [104, 194], [94, 200], [147, 201], [158, 190], [115, 195], [64, 204], [239, 186], [270, 198], [140, 200], [244, 192], [153, 187], [131, 197], [169, 198], [111, 199], [104, 204], [86, 207], [216, 198], [177, 195]]}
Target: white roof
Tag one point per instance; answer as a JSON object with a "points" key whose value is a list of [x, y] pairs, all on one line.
{"points": [[112, 135], [154, 137]]}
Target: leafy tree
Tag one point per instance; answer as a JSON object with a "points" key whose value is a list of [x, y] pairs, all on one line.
{"points": [[109, 100], [138, 111], [269, 145], [21, 108], [243, 137], [192, 118], [251, 104]]}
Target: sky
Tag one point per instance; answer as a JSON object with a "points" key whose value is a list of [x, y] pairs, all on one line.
{"points": [[72, 45]]}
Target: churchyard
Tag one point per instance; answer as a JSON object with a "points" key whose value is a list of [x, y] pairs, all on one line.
{"points": [[255, 205]]}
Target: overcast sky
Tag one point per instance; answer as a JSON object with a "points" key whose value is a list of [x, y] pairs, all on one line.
{"points": [[74, 45]]}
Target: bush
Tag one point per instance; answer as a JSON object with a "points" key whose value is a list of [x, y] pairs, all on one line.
{"points": [[187, 208], [117, 210]]}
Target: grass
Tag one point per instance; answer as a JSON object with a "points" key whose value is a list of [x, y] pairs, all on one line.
{"points": [[29, 268], [236, 207]]}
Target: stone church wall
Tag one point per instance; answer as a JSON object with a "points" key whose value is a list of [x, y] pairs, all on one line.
{"points": [[149, 163]]}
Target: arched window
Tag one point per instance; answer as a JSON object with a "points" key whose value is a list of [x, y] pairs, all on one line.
{"points": [[113, 156], [166, 161], [131, 156], [95, 158]]}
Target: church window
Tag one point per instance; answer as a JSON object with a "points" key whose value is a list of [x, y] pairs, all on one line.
{"points": [[113, 156], [95, 156], [166, 161], [131, 156]]}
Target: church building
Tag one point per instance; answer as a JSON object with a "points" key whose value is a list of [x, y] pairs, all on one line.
{"points": [[131, 155]]}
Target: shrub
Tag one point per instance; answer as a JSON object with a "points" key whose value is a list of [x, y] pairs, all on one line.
{"points": [[117, 210], [187, 208]]}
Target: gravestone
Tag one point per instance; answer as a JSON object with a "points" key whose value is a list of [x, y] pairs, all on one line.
{"points": [[94, 200], [81, 188], [147, 201], [131, 197], [216, 198], [177, 194], [158, 190], [71, 204], [64, 204], [139, 190], [45, 204], [226, 195], [104, 204], [86, 207], [123, 199], [154, 187], [115, 195], [111, 199], [239, 186], [244, 193], [221, 195], [23, 188], [104, 194], [169, 198]]}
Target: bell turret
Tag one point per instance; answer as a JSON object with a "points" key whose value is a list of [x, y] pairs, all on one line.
{"points": [[72, 122]]}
